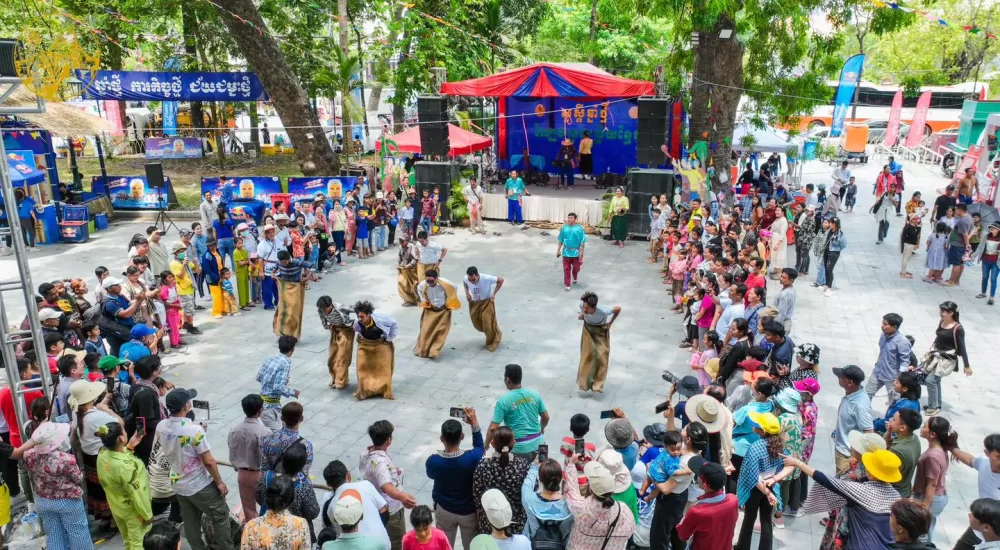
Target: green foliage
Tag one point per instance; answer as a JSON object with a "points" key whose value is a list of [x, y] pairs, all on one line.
{"points": [[911, 86], [457, 205]]}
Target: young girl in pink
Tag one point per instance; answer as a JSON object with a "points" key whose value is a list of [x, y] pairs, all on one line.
{"points": [[168, 294]]}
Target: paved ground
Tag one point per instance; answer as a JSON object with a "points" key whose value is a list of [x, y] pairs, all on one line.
{"points": [[541, 333]]}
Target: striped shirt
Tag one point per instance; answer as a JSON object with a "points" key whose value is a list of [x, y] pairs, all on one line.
{"points": [[292, 272], [338, 317]]}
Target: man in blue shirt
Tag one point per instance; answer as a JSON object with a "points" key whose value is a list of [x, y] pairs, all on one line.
{"points": [[273, 377], [138, 347], [571, 240], [893, 358], [452, 470], [854, 413], [514, 188]]}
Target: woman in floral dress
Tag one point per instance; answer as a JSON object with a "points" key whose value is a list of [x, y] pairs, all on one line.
{"points": [[505, 472], [352, 227], [277, 529]]}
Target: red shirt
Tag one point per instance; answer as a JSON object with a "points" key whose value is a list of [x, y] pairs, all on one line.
{"points": [[7, 407], [53, 369], [753, 281], [711, 525]]}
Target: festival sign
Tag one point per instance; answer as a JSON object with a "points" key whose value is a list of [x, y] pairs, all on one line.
{"points": [[247, 187], [333, 187], [132, 192], [892, 129], [540, 125], [171, 86], [850, 75], [173, 148]]}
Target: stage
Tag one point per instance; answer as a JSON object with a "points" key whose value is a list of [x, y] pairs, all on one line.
{"points": [[549, 204]]}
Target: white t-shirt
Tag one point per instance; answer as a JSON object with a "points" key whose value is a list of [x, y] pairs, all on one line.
{"points": [[483, 289], [90, 443], [182, 443], [683, 481], [989, 481], [436, 294], [372, 501], [516, 542], [429, 254]]}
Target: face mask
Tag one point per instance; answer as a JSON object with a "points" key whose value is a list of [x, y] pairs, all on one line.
{"points": [[181, 256]]}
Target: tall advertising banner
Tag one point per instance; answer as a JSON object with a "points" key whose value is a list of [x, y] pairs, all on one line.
{"points": [[892, 130], [919, 120], [850, 75], [170, 118]]}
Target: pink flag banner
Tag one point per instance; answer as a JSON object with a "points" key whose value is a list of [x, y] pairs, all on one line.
{"points": [[892, 130], [919, 120]]}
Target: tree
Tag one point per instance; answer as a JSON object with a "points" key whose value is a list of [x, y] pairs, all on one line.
{"points": [[343, 79], [259, 48]]}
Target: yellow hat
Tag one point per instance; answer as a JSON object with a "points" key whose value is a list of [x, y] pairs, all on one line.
{"points": [[882, 465], [767, 422]]}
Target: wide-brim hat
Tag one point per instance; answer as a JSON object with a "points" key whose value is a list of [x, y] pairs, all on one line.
{"points": [[567, 141], [269, 227], [788, 399], [601, 482], [178, 247], [882, 465], [705, 410], [767, 422], [613, 461], [688, 386], [865, 443], [84, 391], [49, 435], [619, 433], [809, 353], [653, 433]]}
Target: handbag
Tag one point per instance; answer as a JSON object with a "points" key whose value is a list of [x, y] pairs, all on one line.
{"points": [[941, 363]]}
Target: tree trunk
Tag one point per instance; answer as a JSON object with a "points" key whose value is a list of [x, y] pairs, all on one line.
{"points": [[189, 24], [312, 150], [115, 61], [593, 29], [397, 106], [721, 62], [254, 131], [342, 20], [361, 77]]}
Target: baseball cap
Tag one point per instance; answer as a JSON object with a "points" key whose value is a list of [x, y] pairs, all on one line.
{"points": [[47, 314], [713, 474], [141, 331], [807, 385], [184, 233], [109, 362], [110, 282], [242, 227], [498, 511], [850, 372], [179, 398], [349, 508]]}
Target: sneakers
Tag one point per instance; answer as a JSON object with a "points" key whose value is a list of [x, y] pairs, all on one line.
{"points": [[796, 513], [931, 411], [779, 522], [828, 293], [814, 285], [567, 289]]}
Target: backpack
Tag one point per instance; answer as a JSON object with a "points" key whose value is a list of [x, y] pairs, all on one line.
{"points": [[108, 324], [548, 536]]}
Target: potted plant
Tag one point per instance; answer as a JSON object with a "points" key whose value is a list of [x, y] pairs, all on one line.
{"points": [[457, 205]]}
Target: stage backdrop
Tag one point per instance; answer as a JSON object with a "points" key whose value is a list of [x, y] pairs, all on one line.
{"points": [[546, 121], [247, 187], [132, 192], [334, 187]]}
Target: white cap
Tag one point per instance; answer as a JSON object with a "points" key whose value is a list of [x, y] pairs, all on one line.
{"points": [[497, 509], [601, 481], [110, 282], [47, 314], [348, 509]]}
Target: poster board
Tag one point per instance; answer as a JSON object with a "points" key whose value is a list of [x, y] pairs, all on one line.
{"points": [[134, 192], [247, 187]]}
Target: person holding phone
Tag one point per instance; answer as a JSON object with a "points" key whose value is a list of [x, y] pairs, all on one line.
{"points": [[126, 483], [452, 472]]}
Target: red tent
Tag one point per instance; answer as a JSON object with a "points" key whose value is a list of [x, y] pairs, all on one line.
{"points": [[578, 80], [462, 141]]}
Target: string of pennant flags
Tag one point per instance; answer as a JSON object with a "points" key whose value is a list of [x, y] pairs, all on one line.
{"points": [[933, 17]]}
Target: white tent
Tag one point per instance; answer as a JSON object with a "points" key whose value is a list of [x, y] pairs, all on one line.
{"points": [[766, 140]]}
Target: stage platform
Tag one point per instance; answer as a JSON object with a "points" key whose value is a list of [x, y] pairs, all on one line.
{"points": [[549, 204]]}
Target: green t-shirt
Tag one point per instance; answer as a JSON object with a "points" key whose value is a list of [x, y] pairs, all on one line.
{"points": [[519, 410], [908, 451]]}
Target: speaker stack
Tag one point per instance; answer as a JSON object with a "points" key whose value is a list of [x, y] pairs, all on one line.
{"points": [[652, 132], [432, 116], [644, 184], [431, 175], [7, 48]]}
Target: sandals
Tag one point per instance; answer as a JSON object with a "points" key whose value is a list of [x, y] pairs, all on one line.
{"points": [[980, 296]]}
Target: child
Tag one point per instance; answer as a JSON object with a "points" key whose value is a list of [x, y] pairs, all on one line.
{"points": [[713, 347], [666, 465], [110, 369], [327, 534], [54, 345], [937, 253], [99, 292], [298, 242], [656, 228], [256, 274], [423, 536], [313, 256], [362, 234], [406, 218], [94, 342], [579, 425], [851, 195], [677, 270], [242, 258], [228, 296], [437, 208], [693, 302], [90, 363], [172, 303], [427, 209]]}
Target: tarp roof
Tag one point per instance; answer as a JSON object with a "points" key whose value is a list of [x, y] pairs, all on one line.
{"points": [[550, 80], [462, 142], [766, 140]]}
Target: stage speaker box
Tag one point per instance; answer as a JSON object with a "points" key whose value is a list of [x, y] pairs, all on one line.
{"points": [[431, 175], [652, 131], [7, 47], [642, 185], [154, 175], [432, 116]]}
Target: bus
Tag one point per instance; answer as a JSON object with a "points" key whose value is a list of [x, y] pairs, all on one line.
{"points": [[875, 101]]}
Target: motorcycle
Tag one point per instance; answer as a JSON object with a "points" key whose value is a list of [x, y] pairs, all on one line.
{"points": [[948, 165]]}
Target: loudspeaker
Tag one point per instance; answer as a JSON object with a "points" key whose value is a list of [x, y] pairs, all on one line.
{"points": [[154, 175], [7, 47], [652, 131], [431, 175], [644, 184], [432, 116]]}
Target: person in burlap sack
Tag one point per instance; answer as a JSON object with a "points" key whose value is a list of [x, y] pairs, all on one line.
{"points": [[595, 342], [438, 298], [337, 319], [406, 281], [481, 291], [376, 352]]}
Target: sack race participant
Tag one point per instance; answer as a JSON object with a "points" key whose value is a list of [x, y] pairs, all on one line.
{"points": [[438, 298], [337, 320], [376, 352], [406, 281], [595, 342], [291, 295], [482, 305]]}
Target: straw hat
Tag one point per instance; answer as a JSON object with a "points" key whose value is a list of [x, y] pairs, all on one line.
{"points": [[882, 465], [567, 141], [705, 409], [865, 443], [767, 422], [178, 247], [84, 391]]}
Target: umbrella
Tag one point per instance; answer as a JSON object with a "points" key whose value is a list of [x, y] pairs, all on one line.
{"points": [[987, 215]]}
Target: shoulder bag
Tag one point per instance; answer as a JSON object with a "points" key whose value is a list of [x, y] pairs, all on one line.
{"points": [[941, 363]]}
